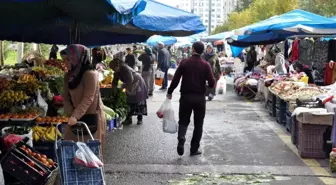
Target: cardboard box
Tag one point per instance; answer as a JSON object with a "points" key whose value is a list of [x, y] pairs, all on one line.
{"points": [[316, 118]]}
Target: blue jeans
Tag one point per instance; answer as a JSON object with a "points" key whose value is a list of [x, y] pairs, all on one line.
{"points": [[165, 80]]}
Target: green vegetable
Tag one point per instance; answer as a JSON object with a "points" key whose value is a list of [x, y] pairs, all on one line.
{"points": [[108, 117], [109, 111]]}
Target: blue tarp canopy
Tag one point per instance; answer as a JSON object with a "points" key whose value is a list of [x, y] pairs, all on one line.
{"points": [[257, 39], [153, 40], [333, 17], [64, 22], [296, 21], [55, 29], [168, 20], [97, 12], [218, 36]]}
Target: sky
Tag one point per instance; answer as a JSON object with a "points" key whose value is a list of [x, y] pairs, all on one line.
{"points": [[169, 2]]}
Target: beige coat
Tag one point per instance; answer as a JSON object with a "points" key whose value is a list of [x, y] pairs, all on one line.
{"points": [[84, 101]]}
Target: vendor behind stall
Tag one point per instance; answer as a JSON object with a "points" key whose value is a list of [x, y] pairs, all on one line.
{"points": [[299, 67]]}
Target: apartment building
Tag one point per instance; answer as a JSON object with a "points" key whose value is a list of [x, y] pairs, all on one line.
{"points": [[218, 10]]}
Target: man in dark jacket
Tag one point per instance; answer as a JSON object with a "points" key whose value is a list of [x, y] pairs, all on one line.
{"points": [[53, 52], [164, 63], [251, 59], [147, 60], [195, 72], [130, 58]]}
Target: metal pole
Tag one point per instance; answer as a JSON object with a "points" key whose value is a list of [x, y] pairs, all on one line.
{"points": [[210, 6]]}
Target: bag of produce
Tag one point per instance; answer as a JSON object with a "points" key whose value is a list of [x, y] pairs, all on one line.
{"points": [[166, 112], [19, 131], [41, 103], [84, 157], [109, 112], [11, 140]]}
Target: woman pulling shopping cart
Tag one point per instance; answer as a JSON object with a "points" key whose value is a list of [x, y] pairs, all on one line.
{"points": [[82, 102]]}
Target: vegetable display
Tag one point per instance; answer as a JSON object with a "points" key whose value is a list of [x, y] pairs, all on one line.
{"points": [[117, 101]]}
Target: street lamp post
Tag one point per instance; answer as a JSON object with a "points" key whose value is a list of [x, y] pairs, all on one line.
{"points": [[210, 6]]}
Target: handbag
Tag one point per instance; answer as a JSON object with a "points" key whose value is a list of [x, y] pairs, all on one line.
{"points": [[91, 121]]}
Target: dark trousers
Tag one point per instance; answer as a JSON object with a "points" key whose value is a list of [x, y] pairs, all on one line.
{"points": [[188, 104], [165, 80]]}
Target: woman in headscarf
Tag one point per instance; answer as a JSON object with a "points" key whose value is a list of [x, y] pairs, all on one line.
{"points": [[82, 101], [136, 90], [211, 57], [147, 60]]}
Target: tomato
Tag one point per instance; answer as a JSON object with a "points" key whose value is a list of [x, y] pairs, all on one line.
{"points": [[34, 154], [38, 156], [23, 147], [44, 156], [50, 166], [29, 152], [50, 161], [31, 163]]}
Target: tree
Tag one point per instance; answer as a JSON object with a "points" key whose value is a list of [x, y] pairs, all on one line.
{"points": [[257, 11], [242, 5], [2, 59], [321, 7]]}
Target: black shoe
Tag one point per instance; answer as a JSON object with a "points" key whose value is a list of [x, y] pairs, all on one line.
{"points": [[163, 89], [180, 148], [195, 153], [139, 122], [150, 94]]}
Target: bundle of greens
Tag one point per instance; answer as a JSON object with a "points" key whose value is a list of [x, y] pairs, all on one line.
{"points": [[116, 100]]}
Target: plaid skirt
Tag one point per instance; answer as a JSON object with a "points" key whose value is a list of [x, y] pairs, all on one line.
{"points": [[135, 109]]}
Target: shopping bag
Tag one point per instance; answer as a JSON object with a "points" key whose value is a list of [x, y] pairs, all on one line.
{"points": [[84, 157], [166, 112], [221, 85], [159, 76], [42, 103]]}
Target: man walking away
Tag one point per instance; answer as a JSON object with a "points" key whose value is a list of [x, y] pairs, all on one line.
{"points": [[130, 58], [164, 63], [147, 60], [195, 72]]}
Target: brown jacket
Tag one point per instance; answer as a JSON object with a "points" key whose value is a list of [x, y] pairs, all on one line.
{"points": [[83, 100]]}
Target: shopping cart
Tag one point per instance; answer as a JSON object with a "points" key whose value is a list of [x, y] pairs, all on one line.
{"points": [[71, 174]]}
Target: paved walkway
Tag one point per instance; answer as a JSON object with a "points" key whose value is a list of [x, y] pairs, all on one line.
{"points": [[241, 145]]}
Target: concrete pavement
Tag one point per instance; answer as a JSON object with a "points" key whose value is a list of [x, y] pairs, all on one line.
{"points": [[240, 142]]}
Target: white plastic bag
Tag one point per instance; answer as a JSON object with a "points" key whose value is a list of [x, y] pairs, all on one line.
{"points": [[166, 112], [84, 157], [159, 74], [41, 103], [221, 85]]}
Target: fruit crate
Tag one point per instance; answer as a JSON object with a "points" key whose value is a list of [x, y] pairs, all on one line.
{"points": [[26, 168], [289, 121], [269, 107], [310, 140], [47, 148]]}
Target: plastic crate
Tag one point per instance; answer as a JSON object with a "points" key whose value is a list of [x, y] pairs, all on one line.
{"points": [[294, 132], [289, 121], [15, 163], [280, 103], [281, 116], [47, 148], [269, 106], [310, 140], [273, 105]]}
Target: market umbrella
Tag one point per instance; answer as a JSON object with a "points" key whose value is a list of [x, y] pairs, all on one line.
{"points": [[333, 17], [296, 21], [153, 40], [168, 21], [218, 36]]}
